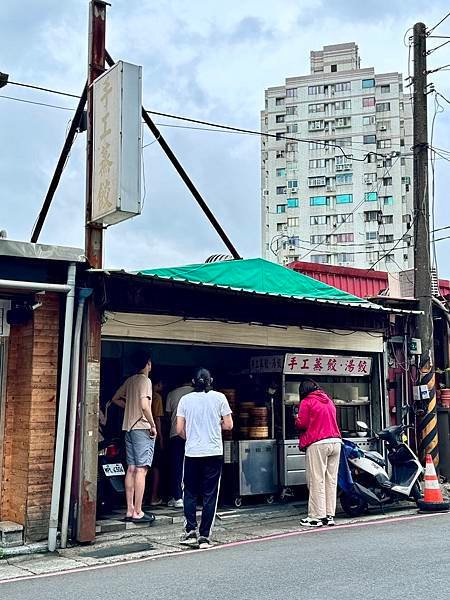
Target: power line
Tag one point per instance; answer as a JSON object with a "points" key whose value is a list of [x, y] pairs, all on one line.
{"points": [[37, 103], [43, 89], [438, 23]]}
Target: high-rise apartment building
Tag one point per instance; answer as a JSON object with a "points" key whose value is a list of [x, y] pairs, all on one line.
{"points": [[336, 167]]}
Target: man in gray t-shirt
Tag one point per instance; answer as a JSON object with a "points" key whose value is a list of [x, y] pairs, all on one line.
{"points": [[201, 416]]}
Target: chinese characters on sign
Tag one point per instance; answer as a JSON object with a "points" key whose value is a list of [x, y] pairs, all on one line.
{"points": [[266, 364], [117, 141], [322, 364]]}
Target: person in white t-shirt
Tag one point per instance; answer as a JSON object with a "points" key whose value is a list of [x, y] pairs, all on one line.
{"points": [[201, 416]]}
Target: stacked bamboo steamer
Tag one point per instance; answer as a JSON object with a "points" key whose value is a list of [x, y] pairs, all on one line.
{"points": [[259, 423], [244, 419], [230, 395]]}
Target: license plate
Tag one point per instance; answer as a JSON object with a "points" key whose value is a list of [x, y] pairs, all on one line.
{"points": [[113, 470]]}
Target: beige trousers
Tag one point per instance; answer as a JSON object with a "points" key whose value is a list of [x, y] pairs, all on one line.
{"points": [[322, 465]]}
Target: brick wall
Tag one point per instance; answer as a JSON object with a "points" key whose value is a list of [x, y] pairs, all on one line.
{"points": [[30, 415]]}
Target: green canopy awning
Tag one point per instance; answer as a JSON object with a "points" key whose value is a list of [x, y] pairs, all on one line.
{"points": [[258, 276]]}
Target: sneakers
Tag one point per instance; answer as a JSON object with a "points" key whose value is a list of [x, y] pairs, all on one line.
{"points": [[308, 522], [175, 503], [190, 539], [204, 543], [329, 520]]}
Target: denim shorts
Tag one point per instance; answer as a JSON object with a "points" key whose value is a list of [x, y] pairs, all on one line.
{"points": [[140, 447]]}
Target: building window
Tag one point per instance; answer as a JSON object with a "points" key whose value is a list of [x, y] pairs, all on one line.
{"points": [[371, 215], [320, 258], [293, 221], [372, 256], [406, 180], [344, 178], [281, 172], [384, 144], [318, 163], [279, 119], [387, 219], [292, 203], [371, 196], [342, 238], [316, 108], [293, 240], [368, 83], [386, 239], [387, 181], [319, 200], [402, 142], [281, 208], [406, 219], [343, 105], [280, 226], [333, 68], [389, 258], [369, 139], [344, 198], [383, 106], [291, 93], [344, 163], [316, 146], [346, 86], [316, 181], [315, 125], [292, 183], [292, 128], [370, 177], [388, 200], [345, 257], [371, 235], [292, 146], [279, 135], [319, 220], [401, 105], [371, 158], [313, 90], [344, 218], [343, 142], [280, 154], [279, 101], [319, 239], [366, 102], [281, 189], [383, 126], [369, 120], [385, 89], [291, 110], [343, 122]]}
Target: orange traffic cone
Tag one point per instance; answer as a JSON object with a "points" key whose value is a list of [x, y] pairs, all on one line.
{"points": [[433, 500]]}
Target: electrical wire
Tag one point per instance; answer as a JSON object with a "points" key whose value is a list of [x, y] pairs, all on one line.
{"points": [[36, 103], [42, 89], [437, 24]]}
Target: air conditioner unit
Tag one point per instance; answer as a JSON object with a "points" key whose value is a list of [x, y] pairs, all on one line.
{"points": [[339, 167], [284, 228], [383, 128]]}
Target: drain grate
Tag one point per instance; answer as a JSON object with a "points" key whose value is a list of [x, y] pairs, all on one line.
{"points": [[118, 550]]}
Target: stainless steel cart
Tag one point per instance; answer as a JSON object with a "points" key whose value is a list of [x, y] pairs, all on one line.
{"points": [[256, 468]]}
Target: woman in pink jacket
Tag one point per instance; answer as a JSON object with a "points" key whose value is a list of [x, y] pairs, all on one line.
{"points": [[320, 436]]}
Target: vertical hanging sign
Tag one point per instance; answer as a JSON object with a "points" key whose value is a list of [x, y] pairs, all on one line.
{"points": [[117, 139]]}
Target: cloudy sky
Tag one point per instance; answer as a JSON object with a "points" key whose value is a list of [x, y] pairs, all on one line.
{"points": [[206, 60]]}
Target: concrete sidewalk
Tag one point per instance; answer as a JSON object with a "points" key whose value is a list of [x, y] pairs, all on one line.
{"points": [[162, 539]]}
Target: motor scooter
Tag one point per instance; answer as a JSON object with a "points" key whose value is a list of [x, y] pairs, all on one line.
{"points": [[110, 468], [367, 482]]}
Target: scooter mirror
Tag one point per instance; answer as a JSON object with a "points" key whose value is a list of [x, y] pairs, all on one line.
{"points": [[362, 425]]}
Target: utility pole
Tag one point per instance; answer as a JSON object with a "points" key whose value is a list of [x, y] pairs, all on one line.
{"points": [[427, 425], [86, 514]]}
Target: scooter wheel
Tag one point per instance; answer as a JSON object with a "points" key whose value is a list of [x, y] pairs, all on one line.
{"points": [[353, 505]]}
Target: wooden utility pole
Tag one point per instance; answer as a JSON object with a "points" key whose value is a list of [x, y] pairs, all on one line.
{"points": [[87, 499], [427, 425]]}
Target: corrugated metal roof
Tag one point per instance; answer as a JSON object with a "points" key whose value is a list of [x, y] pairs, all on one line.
{"points": [[364, 283]]}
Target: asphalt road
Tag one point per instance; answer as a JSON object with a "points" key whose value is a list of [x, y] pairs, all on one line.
{"points": [[396, 559]]}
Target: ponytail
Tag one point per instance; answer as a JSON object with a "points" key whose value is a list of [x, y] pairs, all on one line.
{"points": [[202, 380]]}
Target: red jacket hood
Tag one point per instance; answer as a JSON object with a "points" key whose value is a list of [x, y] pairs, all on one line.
{"points": [[319, 395]]}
